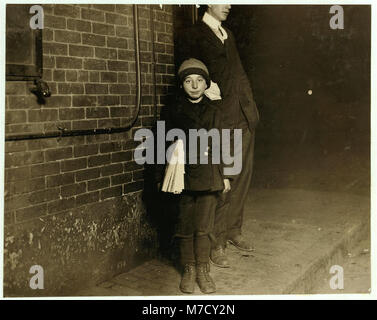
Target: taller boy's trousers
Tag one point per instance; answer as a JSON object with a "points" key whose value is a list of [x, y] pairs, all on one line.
{"points": [[230, 209]]}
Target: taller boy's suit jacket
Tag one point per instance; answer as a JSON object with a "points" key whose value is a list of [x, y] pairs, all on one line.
{"points": [[225, 68]]}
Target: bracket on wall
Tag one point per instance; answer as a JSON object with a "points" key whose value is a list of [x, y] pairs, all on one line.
{"points": [[41, 90]]}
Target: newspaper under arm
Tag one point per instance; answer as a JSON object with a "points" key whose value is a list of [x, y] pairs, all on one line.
{"points": [[175, 170]]}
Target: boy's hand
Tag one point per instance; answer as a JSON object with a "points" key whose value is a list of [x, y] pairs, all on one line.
{"points": [[226, 186]]}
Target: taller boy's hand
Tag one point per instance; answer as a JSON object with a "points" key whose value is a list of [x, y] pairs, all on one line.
{"points": [[226, 186]]}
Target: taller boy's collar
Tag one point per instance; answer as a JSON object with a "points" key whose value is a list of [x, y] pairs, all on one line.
{"points": [[216, 27], [211, 21]]}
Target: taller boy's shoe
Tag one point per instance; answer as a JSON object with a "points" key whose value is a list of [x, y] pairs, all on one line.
{"points": [[203, 278], [240, 243], [188, 278], [219, 258]]}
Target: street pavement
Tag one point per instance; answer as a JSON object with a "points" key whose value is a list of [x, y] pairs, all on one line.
{"points": [[298, 235]]}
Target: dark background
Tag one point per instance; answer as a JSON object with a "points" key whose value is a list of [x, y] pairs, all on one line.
{"points": [[318, 141]]}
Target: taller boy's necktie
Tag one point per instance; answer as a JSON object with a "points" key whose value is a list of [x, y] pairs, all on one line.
{"points": [[222, 34]]}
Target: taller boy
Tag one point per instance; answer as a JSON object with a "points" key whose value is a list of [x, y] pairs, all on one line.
{"points": [[215, 45]]}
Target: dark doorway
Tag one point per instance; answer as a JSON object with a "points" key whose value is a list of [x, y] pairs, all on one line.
{"points": [[312, 86]]}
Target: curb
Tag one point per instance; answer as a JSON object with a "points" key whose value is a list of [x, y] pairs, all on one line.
{"points": [[306, 281]]}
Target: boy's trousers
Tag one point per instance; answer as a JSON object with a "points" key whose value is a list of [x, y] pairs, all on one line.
{"points": [[195, 225]]}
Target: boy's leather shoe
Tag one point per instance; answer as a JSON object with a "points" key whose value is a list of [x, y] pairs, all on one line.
{"points": [[240, 243], [188, 278], [219, 258], [203, 278]]}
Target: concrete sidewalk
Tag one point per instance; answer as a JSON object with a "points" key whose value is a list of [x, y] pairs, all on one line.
{"points": [[298, 235]]}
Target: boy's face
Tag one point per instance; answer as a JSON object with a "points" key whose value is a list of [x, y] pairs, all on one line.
{"points": [[219, 12], [194, 86]]}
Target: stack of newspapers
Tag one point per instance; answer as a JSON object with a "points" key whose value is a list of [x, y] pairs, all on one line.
{"points": [[175, 169]]}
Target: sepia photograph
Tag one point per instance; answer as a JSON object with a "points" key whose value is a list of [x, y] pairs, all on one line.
{"points": [[186, 150]]}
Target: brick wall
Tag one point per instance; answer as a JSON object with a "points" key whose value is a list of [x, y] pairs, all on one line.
{"points": [[73, 204]]}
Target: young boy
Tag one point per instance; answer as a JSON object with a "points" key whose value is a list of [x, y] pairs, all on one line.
{"points": [[203, 183]]}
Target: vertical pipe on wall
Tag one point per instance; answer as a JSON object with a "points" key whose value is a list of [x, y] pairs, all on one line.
{"points": [[194, 14], [137, 66], [154, 93]]}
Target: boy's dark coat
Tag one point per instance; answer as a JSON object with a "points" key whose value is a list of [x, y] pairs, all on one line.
{"points": [[204, 115]]}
